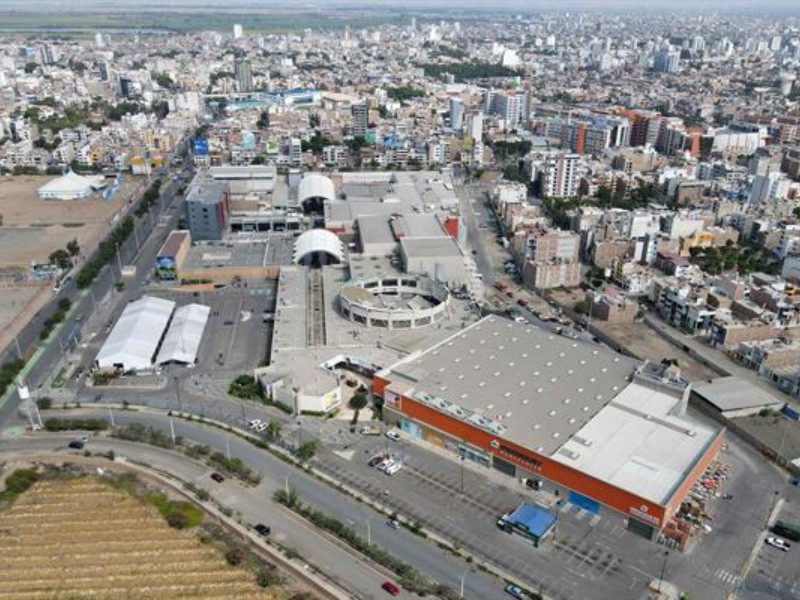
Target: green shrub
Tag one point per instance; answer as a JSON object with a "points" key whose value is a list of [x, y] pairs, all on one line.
{"points": [[17, 483], [75, 424]]}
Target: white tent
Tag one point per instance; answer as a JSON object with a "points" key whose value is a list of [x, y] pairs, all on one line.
{"points": [[71, 186], [133, 342], [183, 337]]}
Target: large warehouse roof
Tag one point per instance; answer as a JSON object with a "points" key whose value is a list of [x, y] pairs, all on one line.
{"points": [[637, 444], [533, 387], [315, 185], [318, 240], [134, 339], [185, 332]]}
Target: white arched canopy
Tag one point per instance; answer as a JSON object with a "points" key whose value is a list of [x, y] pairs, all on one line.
{"points": [[318, 241], [314, 190]]}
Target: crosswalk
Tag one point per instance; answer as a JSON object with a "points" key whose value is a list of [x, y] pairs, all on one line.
{"points": [[728, 577]]}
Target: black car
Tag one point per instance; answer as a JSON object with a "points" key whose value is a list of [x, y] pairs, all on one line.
{"points": [[264, 530], [217, 477], [77, 444], [375, 460]]}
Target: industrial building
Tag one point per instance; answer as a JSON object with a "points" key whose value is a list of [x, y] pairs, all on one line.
{"points": [[604, 431], [733, 397], [136, 336]]}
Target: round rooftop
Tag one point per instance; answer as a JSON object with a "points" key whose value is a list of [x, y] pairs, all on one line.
{"points": [[318, 241]]}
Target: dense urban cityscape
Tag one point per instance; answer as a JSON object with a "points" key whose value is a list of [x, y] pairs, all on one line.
{"points": [[423, 301]]}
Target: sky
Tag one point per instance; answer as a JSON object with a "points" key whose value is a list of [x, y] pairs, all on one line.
{"points": [[394, 5]]}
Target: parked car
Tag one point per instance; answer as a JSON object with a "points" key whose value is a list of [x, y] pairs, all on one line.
{"points": [[392, 588], [778, 543], [393, 524], [385, 464], [262, 529], [376, 460], [229, 322], [393, 468], [253, 424], [217, 477], [515, 591], [261, 427], [83, 439], [76, 444], [393, 435]]}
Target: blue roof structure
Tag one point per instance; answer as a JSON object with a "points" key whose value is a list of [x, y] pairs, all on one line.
{"points": [[538, 521]]}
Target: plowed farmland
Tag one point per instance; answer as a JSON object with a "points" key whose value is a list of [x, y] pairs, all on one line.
{"points": [[81, 539]]}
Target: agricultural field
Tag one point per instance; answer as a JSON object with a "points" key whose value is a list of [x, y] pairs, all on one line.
{"points": [[82, 538]]}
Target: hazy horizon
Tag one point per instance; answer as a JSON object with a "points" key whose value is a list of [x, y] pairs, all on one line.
{"points": [[391, 6]]}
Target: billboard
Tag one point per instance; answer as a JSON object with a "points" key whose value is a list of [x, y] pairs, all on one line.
{"points": [[201, 147]]}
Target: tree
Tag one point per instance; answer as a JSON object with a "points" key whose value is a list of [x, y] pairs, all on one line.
{"points": [[61, 259], [73, 248], [64, 304], [267, 576], [30, 67], [234, 555], [358, 401]]}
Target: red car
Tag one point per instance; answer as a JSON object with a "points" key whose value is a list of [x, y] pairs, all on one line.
{"points": [[392, 588], [522, 302]]}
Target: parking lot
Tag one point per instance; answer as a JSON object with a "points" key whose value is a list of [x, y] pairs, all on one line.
{"points": [[236, 336], [776, 573]]}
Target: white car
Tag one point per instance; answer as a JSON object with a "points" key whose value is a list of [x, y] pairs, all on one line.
{"points": [[393, 468], [778, 543], [261, 427], [393, 435], [253, 424], [385, 464]]}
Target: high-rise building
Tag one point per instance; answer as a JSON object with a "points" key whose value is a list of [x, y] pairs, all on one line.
{"points": [[99, 40], [237, 31], [295, 151], [244, 75], [105, 71], [559, 176], [456, 113], [360, 113], [207, 207], [667, 61], [510, 105], [475, 127]]}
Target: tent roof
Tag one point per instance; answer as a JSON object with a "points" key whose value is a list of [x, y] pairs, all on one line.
{"points": [[183, 337], [71, 182], [134, 339]]}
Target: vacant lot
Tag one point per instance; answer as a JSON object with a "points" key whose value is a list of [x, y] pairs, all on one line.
{"points": [[81, 538], [33, 228]]}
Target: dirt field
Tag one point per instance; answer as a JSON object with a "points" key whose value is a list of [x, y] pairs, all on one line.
{"points": [[12, 302], [81, 538], [777, 432], [642, 341], [33, 228]]}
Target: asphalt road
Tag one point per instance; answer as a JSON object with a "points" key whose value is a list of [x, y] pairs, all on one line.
{"points": [[421, 554]]}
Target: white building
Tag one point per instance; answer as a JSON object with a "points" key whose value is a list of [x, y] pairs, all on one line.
{"points": [[238, 31], [71, 187]]}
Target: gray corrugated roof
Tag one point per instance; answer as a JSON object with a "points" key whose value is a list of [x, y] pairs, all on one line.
{"points": [[733, 393], [539, 387]]}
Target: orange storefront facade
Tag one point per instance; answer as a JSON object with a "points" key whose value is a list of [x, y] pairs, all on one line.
{"points": [[645, 512]]}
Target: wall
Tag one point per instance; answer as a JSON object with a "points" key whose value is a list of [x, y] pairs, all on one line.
{"points": [[226, 274], [680, 494], [561, 474]]}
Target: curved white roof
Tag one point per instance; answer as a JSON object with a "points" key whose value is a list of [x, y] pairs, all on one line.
{"points": [[315, 185], [183, 337], [135, 337], [318, 240]]}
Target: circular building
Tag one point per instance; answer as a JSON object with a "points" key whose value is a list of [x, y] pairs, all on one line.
{"points": [[317, 247], [313, 190], [405, 302]]}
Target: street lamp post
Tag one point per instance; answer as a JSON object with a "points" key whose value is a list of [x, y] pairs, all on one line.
{"points": [[119, 259], [461, 587], [663, 570]]}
